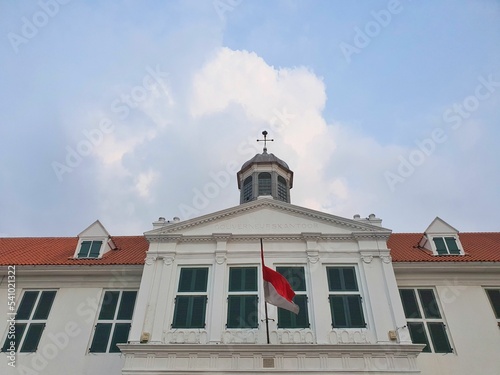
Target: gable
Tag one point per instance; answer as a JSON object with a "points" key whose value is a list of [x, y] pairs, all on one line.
{"points": [[266, 216], [96, 229], [439, 226]]}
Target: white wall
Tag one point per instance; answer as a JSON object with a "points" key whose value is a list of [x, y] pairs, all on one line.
{"points": [[471, 324], [63, 348]]}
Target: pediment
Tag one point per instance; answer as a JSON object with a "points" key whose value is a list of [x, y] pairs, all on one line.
{"points": [[266, 217], [439, 226], [96, 229]]}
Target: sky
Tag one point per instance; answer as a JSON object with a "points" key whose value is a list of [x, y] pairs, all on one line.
{"points": [[126, 111]]}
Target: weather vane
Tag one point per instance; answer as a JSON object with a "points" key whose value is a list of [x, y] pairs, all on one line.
{"points": [[265, 140]]}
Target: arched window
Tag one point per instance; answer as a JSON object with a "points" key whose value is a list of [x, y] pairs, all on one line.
{"points": [[264, 183], [247, 189], [282, 190]]}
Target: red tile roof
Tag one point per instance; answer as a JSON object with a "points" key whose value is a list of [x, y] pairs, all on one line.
{"points": [[478, 247], [60, 251]]}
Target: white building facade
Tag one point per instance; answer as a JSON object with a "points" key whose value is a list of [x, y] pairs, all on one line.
{"points": [[187, 297]]}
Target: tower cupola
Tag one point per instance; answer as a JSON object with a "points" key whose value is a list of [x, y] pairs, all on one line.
{"points": [[265, 175]]}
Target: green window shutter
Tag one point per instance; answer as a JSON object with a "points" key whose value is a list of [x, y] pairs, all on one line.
{"points": [[127, 304], [439, 337], [120, 336], [338, 311], [243, 279], [440, 245], [410, 305], [429, 303], [44, 305], [347, 311], [108, 307], [181, 312], [242, 311], [84, 249], [355, 314], [193, 280], [20, 328], [494, 296], [33, 335], [418, 335], [295, 276], [452, 245], [334, 279], [198, 304], [101, 338], [95, 249], [287, 319], [26, 306], [349, 279], [342, 279], [189, 312]]}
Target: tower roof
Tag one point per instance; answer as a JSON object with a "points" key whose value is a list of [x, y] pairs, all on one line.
{"points": [[265, 158]]}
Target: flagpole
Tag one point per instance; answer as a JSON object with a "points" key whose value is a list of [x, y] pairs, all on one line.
{"points": [[265, 302]]}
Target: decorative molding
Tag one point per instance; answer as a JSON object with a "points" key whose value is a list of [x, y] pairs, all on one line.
{"points": [[185, 337], [150, 259], [293, 336], [349, 336], [291, 358], [220, 258], [367, 258], [168, 259], [386, 259], [313, 257], [239, 337]]}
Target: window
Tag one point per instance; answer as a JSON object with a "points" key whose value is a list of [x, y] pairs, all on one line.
{"points": [[247, 189], [191, 300], [446, 245], [282, 190], [113, 323], [31, 317], [265, 183], [242, 298], [345, 300], [296, 279], [494, 296], [90, 249], [424, 320]]}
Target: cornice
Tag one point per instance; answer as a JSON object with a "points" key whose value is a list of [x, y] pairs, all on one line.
{"points": [[300, 237], [161, 350]]}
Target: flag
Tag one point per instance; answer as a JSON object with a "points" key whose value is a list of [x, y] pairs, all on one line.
{"points": [[278, 291]]}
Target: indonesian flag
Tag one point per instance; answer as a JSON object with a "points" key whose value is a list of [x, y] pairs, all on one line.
{"points": [[278, 291]]}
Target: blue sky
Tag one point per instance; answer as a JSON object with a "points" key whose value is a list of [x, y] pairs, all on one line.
{"points": [[127, 111]]}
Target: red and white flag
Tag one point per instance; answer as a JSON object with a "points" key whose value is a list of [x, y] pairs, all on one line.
{"points": [[278, 291]]}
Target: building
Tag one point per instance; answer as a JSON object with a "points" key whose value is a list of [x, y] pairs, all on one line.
{"points": [[186, 297]]}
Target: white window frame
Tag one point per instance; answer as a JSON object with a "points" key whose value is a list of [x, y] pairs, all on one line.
{"points": [[243, 293], [113, 321], [444, 236], [497, 288], [424, 320], [30, 319], [359, 292]]}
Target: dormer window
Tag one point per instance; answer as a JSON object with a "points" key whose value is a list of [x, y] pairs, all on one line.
{"points": [[90, 249], [93, 242], [446, 246], [442, 239]]}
